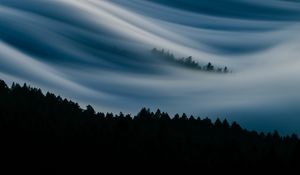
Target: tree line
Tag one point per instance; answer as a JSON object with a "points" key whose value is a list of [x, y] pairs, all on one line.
{"points": [[46, 125], [188, 62]]}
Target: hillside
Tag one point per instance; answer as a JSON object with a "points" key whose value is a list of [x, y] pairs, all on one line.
{"points": [[34, 124]]}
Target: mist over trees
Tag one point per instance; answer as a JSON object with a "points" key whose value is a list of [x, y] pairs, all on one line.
{"points": [[46, 125], [188, 62]]}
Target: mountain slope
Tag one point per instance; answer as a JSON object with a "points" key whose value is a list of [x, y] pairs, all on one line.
{"points": [[46, 127]]}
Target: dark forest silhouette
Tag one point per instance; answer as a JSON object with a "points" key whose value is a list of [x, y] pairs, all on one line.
{"points": [[47, 125], [188, 62]]}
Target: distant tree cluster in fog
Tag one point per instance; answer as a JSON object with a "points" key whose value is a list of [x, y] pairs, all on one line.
{"points": [[188, 62]]}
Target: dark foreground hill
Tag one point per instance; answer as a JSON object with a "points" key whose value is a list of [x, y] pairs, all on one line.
{"points": [[47, 128]]}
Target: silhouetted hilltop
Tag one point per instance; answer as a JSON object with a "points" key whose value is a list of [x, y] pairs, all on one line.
{"points": [[188, 62], [45, 125]]}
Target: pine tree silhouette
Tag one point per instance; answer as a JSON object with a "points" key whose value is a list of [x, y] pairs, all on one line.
{"points": [[43, 126]]}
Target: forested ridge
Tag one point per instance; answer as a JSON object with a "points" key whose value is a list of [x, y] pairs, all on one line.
{"points": [[45, 124]]}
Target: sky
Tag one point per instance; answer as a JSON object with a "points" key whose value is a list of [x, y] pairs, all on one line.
{"points": [[98, 52]]}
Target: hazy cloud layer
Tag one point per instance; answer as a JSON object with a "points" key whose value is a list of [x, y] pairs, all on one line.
{"points": [[97, 52]]}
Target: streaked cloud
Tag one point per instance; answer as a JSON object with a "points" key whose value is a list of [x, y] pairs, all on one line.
{"points": [[97, 52]]}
